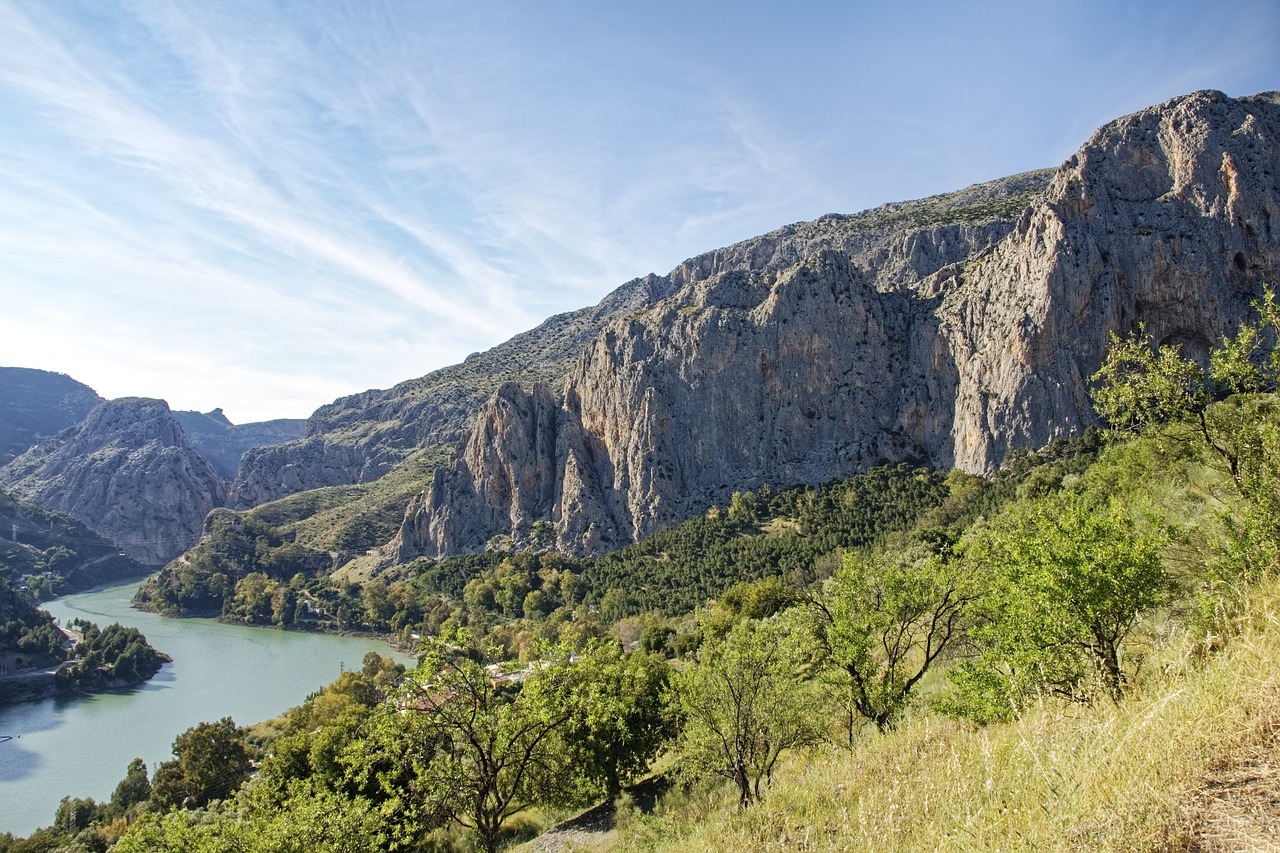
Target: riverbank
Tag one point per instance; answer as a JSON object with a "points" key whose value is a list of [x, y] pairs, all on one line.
{"points": [[65, 681], [29, 686], [81, 747], [40, 684]]}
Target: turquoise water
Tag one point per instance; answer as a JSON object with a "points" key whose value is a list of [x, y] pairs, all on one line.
{"points": [[81, 747]]}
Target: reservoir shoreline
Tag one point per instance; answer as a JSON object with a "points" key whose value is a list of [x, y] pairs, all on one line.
{"points": [[81, 746]]}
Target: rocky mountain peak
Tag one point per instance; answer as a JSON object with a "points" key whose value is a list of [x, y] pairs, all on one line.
{"points": [[947, 330], [128, 472]]}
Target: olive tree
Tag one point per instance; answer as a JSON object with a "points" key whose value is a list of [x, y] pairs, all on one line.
{"points": [[469, 743], [1068, 583], [883, 622], [1227, 409]]}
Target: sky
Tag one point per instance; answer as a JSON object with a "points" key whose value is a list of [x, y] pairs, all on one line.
{"points": [[263, 206]]}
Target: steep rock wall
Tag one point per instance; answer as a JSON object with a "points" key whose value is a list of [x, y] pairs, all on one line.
{"points": [[948, 330], [128, 472], [361, 437]]}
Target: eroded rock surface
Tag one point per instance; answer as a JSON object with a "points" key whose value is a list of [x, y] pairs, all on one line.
{"points": [[128, 472], [948, 330]]}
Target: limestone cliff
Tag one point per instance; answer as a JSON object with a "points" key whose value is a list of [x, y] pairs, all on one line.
{"points": [[128, 472], [360, 438], [948, 330]]}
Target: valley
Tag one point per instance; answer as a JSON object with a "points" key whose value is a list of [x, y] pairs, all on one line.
{"points": [[949, 489]]}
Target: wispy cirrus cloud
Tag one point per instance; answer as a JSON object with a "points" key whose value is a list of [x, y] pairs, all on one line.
{"points": [[110, 120], [262, 196]]}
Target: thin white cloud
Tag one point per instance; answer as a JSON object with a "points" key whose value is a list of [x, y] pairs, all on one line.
{"points": [[205, 173]]}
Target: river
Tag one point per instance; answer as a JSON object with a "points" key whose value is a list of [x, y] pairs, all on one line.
{"points": [[81, 747]]}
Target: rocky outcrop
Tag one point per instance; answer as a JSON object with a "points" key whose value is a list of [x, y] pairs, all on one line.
{"points": [[947, 331], [36, 404], [360, 438], [128, 472], [224, 443]]}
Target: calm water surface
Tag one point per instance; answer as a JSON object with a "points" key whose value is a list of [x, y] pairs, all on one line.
{"points": [[81, 747]]}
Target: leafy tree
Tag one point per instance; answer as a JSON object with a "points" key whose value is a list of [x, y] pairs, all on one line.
{"points": [[1229, 409], [471, 744], [744, 703], [211, 760], [620, 718], [133, 790], [883, 623], [75, 814], [1069, 582]]}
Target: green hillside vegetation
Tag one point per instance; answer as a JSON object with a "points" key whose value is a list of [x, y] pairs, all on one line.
{"points": [[1079, 652], [47, 553], [30, 642], [355, 517]]}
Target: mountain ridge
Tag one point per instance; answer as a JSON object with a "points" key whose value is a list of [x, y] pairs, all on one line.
{"points": [[970, 338]]}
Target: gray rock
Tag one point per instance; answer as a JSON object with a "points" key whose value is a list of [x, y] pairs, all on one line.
{"points": [[360, 438], [948, 331], [224, 443], [128, 472]]}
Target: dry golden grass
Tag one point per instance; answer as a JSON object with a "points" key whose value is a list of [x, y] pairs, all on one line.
{"points": [[1190, 762]]}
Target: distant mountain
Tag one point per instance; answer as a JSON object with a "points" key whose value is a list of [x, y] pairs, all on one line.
{"points": [[128, 472], [359, 438], [36, 404], [945, 331], [223, 443]]}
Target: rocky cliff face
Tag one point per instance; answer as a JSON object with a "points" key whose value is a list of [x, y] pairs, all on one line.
{"points": [[224, 443], [948, 330], [359, 438], [36, 404], [128, 472]]}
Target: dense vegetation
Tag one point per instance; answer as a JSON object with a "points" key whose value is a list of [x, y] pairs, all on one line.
{"points": [[28, 636], [48, 553], [31, 642], [937, 660]]}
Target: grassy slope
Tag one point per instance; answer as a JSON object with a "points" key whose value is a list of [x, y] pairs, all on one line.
{"points": [[1161, 770], [321, 517], [1147, 774]]}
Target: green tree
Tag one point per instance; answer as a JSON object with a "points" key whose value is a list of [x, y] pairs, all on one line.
{"points": [[744, 703], [253, 597], [883, 622], [467, 743], [133, 790], [211, 760], [74, 815], [1069, 582], [1229, 409], [620, 718]]}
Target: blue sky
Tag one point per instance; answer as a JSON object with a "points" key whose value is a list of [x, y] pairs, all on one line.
{"points": [[265, 205]]}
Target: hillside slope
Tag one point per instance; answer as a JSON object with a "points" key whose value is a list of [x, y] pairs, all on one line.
{"points": [[36, 404]]}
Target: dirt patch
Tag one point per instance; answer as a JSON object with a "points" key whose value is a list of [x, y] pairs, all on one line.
{"points": [[1238, 807], [595, 827]]}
